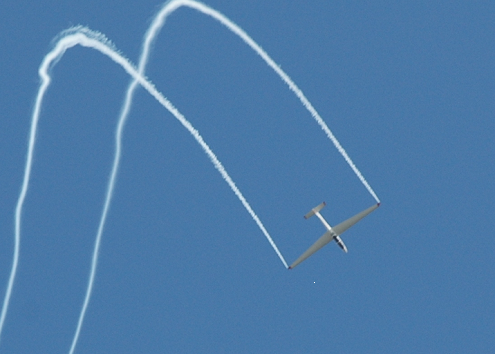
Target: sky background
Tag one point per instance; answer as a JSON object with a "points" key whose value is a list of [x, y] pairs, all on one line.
{"points": [[408, 88]]}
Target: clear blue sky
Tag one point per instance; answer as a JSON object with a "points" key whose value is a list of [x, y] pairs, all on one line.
{"points": [[407, 87]]}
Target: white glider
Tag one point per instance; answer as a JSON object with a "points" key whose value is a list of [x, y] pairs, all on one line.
{"points": [[333, 233]]}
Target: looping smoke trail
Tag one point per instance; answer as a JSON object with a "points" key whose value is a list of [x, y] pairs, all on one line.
{"points": [[173, 5], [87, 38], [150, 35]]}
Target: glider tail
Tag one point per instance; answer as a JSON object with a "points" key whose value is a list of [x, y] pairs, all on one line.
{"points": [[315, 210]]}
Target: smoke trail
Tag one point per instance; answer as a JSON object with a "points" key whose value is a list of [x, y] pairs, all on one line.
{"points": [[50, 59], [87, 38], [173, 5], [89, 42]]}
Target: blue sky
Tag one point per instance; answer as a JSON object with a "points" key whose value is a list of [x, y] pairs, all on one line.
{"points": [[407, 88]]}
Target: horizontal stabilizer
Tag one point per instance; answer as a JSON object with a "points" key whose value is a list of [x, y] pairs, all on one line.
{"points": [[315, 210]]}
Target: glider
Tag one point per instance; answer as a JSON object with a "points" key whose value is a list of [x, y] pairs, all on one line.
{"points": [[332, 233]]}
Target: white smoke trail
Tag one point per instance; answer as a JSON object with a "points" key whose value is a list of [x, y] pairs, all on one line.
{"points": [[87, 38], [149, 37], [173, 5]]}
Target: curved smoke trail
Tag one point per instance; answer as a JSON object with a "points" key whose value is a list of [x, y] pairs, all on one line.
{"points": [[173, 5], [88, 38]]}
